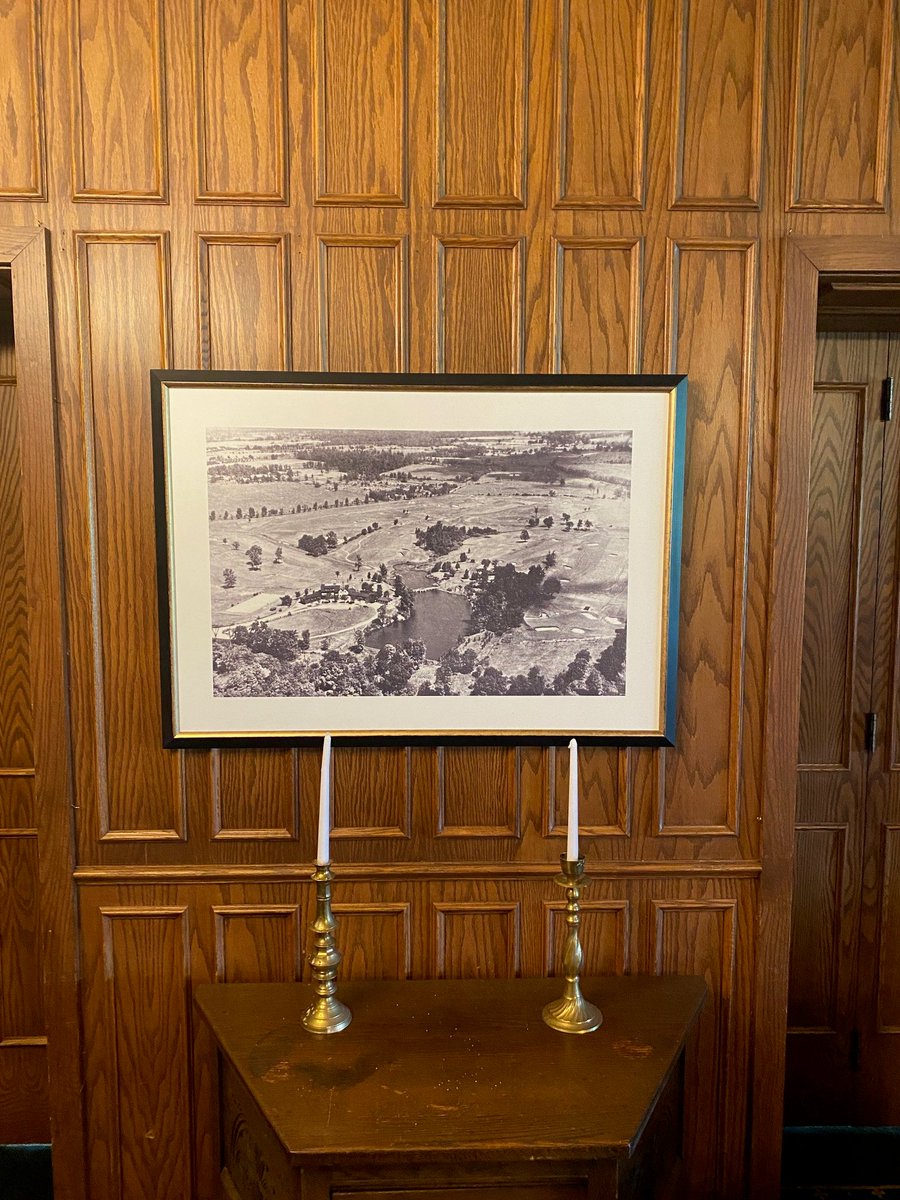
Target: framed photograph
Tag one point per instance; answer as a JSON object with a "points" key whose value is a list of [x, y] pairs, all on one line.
{"points": [[418, 555]]}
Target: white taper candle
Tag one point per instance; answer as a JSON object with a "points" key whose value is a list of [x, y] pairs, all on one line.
{"points": [[572, 835], [323, 848]]}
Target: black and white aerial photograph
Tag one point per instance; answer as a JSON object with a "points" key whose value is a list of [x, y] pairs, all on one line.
{"points": [[403, 557], [365, 562]]}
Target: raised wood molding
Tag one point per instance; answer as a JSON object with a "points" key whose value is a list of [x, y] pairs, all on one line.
{"points": [[739, 467], [107, 133], [25, 145], [369, 159], [243, 113], [290, 873], [510, 812], [623, 758], [555, 933], [214, 353], [483, 132], [511, 359], [719, 108], [608, 75], [477, 964], [397, 339], [631, 249], [868, 149]]}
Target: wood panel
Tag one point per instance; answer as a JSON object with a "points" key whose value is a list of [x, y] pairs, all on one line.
{"points": [[699, 937], [363, 305], [597, 305], [119, 147], [604, 931], [124, 331], [887, 987], [817, 933], [476, 940], [372, 794], [138, 1047], [255, 795], [479, 304], [242, 101], [713, 288], [256, 943], [482, 51], [15, 695], [606, 794], [361, 76], [375, 939], [832, 558], [21, 1000], [843, 64], [22, 149], [720, 57], [478, 794], [256, 334], [603, 89]]}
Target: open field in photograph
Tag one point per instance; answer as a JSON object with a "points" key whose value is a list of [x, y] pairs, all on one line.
{"points": [[409, 563]]}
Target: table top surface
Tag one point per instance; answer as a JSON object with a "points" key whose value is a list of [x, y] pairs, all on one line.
{"points": [[454, 1065]]}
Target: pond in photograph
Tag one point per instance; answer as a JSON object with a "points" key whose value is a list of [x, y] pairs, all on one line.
{"points": [[438, 618]]}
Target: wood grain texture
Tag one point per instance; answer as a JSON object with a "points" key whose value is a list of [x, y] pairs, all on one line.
{"points": [[256, 943], [817, 933], [17, 809], [21, 999], [376, 940], [478, 794], [597, 289], [720, 61], [143, 1034], [371, 793], [255, 794], [242, 101], [832, 557], [124, 329], [361, 78], [843, 63], [482, 71], [256, 335], [712, 328], [698, 937], [605, 792], [363, 303], [476, 940], [16, 749], [603, 89], [24, 1103], [119, 147], [479, 304], [22, 146], [888, 980], [604, 934]]}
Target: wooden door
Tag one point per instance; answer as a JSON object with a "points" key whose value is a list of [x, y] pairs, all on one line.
{"points": [[877, 1091], [846, 670]]}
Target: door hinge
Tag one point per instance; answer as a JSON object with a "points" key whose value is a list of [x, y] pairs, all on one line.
{"points": [[887, 398], [871, 731], [855, 1053]]}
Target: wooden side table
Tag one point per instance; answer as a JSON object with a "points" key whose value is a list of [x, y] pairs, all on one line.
{"points": [[451, 1090]]}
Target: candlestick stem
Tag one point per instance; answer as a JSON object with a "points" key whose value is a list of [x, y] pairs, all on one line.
{"points": [[571, 1013], [326, 1014]]}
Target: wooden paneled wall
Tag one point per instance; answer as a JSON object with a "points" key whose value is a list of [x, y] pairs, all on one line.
{"points": [[484, 185]]}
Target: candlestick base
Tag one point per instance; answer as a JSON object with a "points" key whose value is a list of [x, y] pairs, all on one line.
{"points": [[571, 1013], [326, 1014]]}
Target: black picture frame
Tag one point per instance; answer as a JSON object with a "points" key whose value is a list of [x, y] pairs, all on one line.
{"points": [[220, 433]]}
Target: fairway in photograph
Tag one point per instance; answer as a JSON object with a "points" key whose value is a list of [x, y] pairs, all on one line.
{"points": [[407, 555]]}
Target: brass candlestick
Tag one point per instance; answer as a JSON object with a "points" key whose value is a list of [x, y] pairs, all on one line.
{"points": [[571, 1013], [325, 1014]]}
